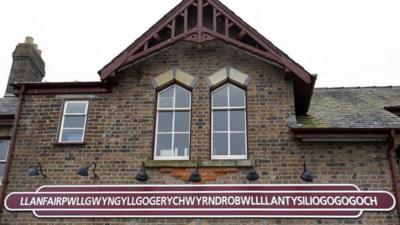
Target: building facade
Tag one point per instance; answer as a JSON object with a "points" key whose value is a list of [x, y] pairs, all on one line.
{"points": [[202, 87]]}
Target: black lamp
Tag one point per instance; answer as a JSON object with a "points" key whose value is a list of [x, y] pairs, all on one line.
{"points": [[195, 176], [36, 171], [141, 175], [252, 175], [306, 175], [84, 170]]}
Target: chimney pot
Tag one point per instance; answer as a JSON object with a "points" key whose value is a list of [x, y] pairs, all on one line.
{"points": [[29, 40]]}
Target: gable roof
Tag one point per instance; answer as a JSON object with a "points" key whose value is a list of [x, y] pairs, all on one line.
{"points": [[353, 107], [200, 21]]}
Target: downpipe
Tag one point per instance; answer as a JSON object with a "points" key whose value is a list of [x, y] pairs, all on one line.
{"points": [[394, 168]]}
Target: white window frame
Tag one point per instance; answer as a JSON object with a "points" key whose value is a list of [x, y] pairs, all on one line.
{"points": [[4, 160], [62, 128], [173, 109], [228, 132]]}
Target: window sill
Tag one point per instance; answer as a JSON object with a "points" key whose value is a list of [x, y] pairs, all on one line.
{"points": [[68, 143], [193, 163]]}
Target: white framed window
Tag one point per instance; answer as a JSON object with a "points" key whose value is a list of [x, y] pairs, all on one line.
{"points": [[3, 156], [73, 123], [228, 123], [172, 136]]}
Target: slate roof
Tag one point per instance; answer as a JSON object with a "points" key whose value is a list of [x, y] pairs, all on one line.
{"points": [[8, 105], [354, 107]]}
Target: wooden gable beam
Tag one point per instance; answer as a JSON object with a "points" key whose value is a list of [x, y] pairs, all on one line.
{"points": [[257, 44], [123, 57]]}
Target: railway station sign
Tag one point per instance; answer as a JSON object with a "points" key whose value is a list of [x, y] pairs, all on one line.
{"points": [[201, 201]]}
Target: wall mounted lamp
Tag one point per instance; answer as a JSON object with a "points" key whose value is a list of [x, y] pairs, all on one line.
{"points": [[195, 176], [36, 171], [306, 176], [252, 175], [141, 175], [84, 170]]}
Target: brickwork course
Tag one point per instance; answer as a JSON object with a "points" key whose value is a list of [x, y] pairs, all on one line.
{"points": [[121, 125]]}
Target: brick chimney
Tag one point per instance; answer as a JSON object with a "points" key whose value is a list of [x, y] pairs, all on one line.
{"points": [[27, 65]]}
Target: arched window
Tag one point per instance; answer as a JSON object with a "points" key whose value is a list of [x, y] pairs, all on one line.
{"points": [[172, 139], [229, 140]]}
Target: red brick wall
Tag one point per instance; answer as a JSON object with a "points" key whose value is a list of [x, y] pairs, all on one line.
{"points": [[119, 137]]}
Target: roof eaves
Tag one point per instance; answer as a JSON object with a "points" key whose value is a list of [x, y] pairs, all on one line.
{"points": [[63, 87], [319, 134]]}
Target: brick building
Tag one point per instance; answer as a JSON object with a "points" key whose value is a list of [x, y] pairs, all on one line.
{"points": [[199, 86]]}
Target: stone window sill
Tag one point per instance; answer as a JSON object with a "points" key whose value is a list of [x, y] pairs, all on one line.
{"points": [[193, 163], [68, 143]]}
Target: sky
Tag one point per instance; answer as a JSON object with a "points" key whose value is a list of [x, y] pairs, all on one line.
{"points": [[345, 42]]}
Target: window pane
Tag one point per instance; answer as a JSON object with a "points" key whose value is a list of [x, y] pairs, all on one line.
{"points": [[166, 98], [238, 144], [220, 144], [74, 121], [3, 149], [182, 121], [181, 145], [76, 107], [237, 120], [164, 142], [220, 120], [165, 121], [166, 103], [2, 169], [220, 97], [72, 135], [236, 96], [182, 98]]}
